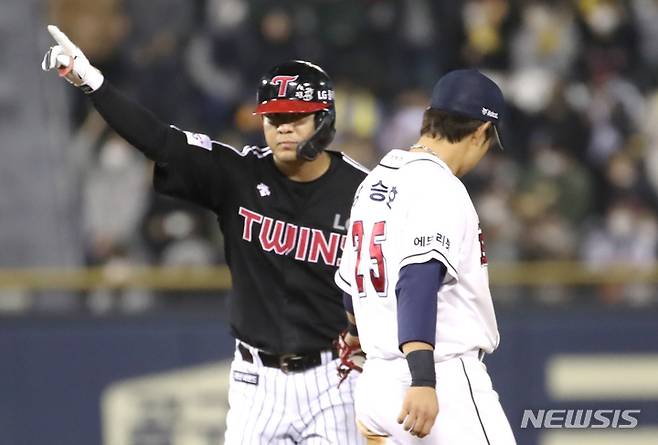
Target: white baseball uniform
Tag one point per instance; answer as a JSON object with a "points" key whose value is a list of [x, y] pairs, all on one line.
{"points": [[412, 209]]}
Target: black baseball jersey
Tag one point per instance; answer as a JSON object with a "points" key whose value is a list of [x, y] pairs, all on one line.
{"points": [[283, 239]]}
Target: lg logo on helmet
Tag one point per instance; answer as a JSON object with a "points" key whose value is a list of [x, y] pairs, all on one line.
{"points": [[326, 95], [282, 82]]}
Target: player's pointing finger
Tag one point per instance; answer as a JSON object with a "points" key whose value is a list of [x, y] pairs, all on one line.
{"points": [[62, 39]]}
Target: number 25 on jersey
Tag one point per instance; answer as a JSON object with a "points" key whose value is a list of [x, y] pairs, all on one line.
{"points": [[373, 254]]}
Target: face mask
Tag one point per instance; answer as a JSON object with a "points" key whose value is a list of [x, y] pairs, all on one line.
{"points": [[537, 17], [178, 225], [550, 163], [603, 20], [620, 222], [114, 155]]}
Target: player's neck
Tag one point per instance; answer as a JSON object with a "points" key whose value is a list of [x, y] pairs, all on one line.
{"points": [[451, 154], [305, 171]]}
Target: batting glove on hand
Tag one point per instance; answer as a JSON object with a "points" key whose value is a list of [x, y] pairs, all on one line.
{"points": [[71, 63], [350, 354]]}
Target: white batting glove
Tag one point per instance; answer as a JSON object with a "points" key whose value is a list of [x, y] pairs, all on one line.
{"points": [[71, 63]]}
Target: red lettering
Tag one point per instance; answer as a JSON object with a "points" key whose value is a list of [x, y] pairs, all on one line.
{"points": [[320, 247], [357, 242], [483, 249], [281, 238], [378, 276], [302, 243], [282, 81], [249, 218], [271, 239], [343, 240]]}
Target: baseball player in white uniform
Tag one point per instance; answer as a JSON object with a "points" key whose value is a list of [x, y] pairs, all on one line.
{"points": [[414, 270]]}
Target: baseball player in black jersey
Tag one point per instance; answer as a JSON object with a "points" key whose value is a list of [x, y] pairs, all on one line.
{"points": [[282, 210]]}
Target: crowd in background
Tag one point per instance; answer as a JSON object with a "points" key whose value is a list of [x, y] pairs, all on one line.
{"points": [[578, 178]]}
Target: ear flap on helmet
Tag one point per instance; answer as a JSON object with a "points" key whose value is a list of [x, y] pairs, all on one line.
{"points": [[325, 130]]}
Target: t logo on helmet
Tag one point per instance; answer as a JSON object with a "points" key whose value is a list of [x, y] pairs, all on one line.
{"points": [[283, 81]]}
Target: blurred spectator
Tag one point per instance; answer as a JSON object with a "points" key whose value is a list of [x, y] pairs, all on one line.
{"points": [[114, 199], [650, 133], [216, 59], [625, 179], [547, 37], [531, 89], [563, 122], [615, 111], [188, 249], [488, 24], [186, 246], [170, 225], [645, 17], [494, 183], [357, 112], [156, 53], [113, 204], [360, 149], [554, 185], [40, 227], [401, 129], [627, 237], [416, 62], [99, 28], [609, 33]]}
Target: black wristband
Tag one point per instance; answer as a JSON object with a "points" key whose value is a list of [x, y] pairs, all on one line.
{"points": [[86, 89], [421, 366], [352, 329]]}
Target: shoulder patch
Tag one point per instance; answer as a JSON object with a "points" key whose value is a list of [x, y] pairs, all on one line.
{"points": [[203, 141], [199, 140]]}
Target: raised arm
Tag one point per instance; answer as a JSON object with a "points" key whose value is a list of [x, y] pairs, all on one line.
{"points": [[130, 120]]}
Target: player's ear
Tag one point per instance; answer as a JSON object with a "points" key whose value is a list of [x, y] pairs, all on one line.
{"points": [[482, 129], [480, 135]]}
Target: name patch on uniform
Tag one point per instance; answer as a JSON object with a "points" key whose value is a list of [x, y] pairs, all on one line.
{"points": [[438, 238], [244, 377], [199, 140], [380, 192]]}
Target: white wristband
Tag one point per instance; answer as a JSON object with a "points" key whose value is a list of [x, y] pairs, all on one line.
{"points": [[93, 80]]}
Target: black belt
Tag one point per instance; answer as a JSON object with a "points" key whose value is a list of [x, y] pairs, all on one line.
{"points": [[286, 362]]}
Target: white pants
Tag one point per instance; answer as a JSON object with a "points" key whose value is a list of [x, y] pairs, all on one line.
{"points": [[469, 410], [268, 406]]}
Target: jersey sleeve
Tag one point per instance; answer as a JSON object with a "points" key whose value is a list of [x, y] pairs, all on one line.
{"points": [[188, 165], [196, 169], [137, 125], [434, 219]]}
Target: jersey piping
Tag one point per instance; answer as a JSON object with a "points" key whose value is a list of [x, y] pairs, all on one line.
{"points": [[353, 163], [443, 166]]}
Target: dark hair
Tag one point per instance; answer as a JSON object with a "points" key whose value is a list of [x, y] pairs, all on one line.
{"points": [[453, 127]]}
